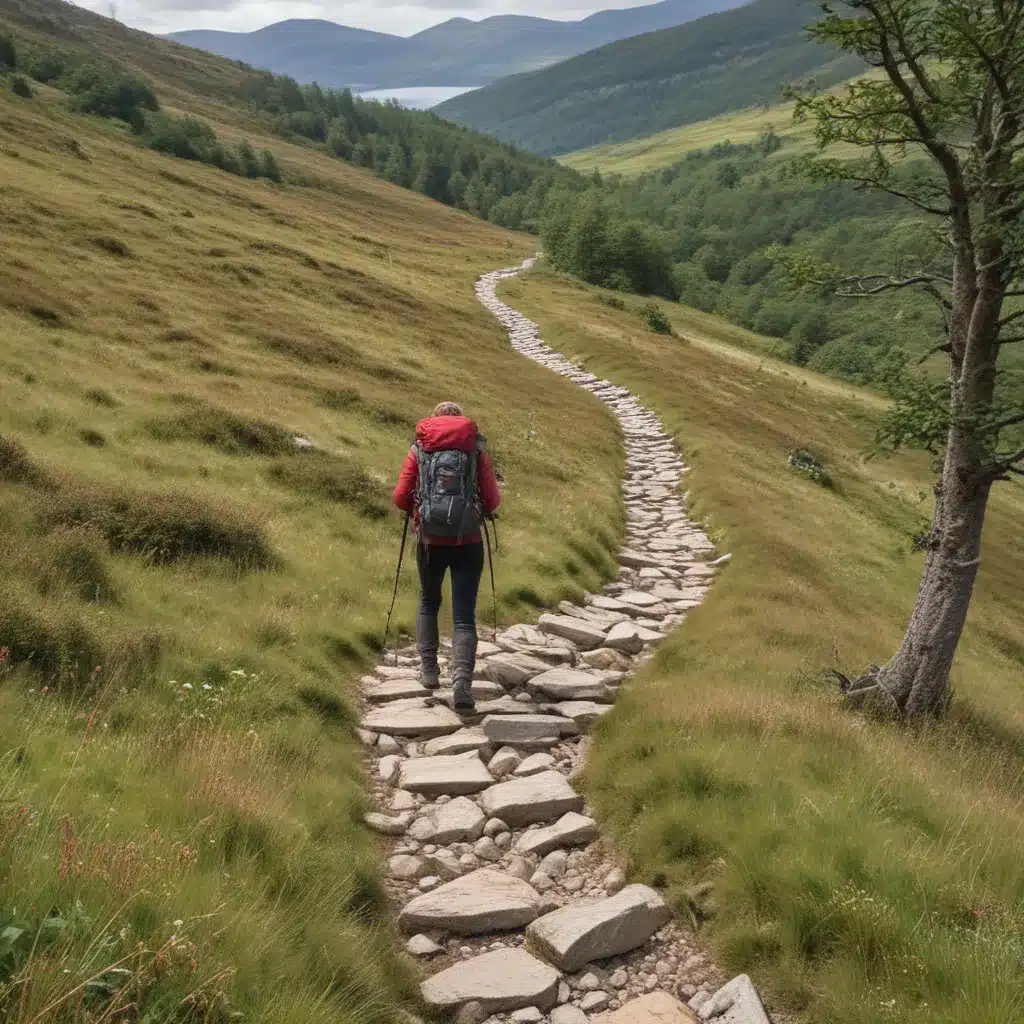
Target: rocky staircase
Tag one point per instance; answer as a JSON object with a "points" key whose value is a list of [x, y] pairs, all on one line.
{"points": [[510, 897]]}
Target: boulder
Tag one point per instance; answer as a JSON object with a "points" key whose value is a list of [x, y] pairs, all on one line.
{"points": [[584, 635], [453, 775], [460, 742], [517, 730], [476, 904], [412, 718], [539, 798], [656, 1008], [458, 821], [500, 981], [514, 669], [571, 829], [582, 933], [735, 1003], [569, 684]]}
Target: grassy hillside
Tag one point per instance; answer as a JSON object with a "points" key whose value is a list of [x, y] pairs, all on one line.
{"points": [[724, 62], [860, 873], [189, 596]]}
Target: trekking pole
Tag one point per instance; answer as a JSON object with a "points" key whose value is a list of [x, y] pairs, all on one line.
{"points": [[398, 577], [490, 563]]}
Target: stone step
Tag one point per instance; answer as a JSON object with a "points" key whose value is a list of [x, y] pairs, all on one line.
{"points": [[413, 718], [511, 669], [584, 635], [379, 691], [445, 775], [500, 981], [458, 743], [477, 904], [569, 684], [535, 800], [458, 821], [581, 933], [524, 730], [571, 829]]}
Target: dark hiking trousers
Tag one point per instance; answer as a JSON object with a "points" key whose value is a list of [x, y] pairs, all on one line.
{"points": [[466, 564]]}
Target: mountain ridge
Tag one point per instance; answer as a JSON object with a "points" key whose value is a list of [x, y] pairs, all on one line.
{"points": [[649, 83], [340, 56]]}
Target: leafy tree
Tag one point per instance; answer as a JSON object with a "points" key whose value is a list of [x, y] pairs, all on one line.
{"points": [[250, 165], [8, 53], [943, 131], [108, 92], [269, 167], [20, 87]]}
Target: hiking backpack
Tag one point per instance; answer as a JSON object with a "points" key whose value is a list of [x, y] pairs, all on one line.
{"points": [[447, 491]]}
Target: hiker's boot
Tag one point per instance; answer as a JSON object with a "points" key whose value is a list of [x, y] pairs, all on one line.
{"points": [[427, 640], [463, 665]]}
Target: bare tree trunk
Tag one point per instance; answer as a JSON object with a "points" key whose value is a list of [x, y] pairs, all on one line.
{"points": [[917, 678]]}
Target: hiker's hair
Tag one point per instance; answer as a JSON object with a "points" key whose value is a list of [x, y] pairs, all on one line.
{"points": [[448, 409]]}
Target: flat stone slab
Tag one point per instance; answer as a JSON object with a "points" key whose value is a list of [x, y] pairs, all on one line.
{"points": [[736, 1002], [458, 743], [378, 691], [571, 829], [458, 821], [500, 981], [656, 1008], [569, 684], [584, 635], [583, 712], [412, 718], [453, 775], [538, 799], [534, 765], [639, 599], [634, 560], [397, 672], [476, 904], [630, 638], [516, 730], [511, 669], [608, 604], [580, 933]]}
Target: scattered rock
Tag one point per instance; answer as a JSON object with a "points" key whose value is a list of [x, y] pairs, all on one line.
{"points": [[460, 742], [387, 825], [568, 684], [534, 765], [423, 946], [568, 1015], [405, 867], [594, 1002], [445, 775], [656, 1008], [504, 762], [413, 718], [571, 829], [514, 669], [735, 1003], [585, 635], [458, 821]]}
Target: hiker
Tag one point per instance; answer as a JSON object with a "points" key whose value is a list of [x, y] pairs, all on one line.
{"points": [[448, 483]]}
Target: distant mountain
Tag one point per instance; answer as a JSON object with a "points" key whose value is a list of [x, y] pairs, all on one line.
{"points": [[457, 52], [635, 87]]}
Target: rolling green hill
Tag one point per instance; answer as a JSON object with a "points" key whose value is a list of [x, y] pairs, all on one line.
{"points": [[721, 63]]}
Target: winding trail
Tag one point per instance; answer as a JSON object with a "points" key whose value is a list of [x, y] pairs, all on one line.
{"points": [[513, 900]]}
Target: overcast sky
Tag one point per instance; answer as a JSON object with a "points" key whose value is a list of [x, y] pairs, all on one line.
{"points": [[402, 17]]}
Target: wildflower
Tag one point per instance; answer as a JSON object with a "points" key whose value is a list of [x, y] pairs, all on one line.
{"points": [[207, 686], [178, 923], [186, 686]]}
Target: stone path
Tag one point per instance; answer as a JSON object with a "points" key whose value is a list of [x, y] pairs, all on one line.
{"points": [[514, 904]]}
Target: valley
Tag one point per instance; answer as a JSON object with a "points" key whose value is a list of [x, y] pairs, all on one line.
{"points": [[227, 297]]}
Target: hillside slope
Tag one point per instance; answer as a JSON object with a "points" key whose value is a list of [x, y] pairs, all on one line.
{"points": [[457, 52], [640, 86], [189, 594]]}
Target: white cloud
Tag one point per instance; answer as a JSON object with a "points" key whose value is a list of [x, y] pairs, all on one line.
{"points": [[401, 17]]}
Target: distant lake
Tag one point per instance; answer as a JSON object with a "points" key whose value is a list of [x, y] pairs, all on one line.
{"points": [[419, 97]]}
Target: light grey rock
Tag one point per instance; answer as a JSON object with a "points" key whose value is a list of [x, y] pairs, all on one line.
{"points": [[402, 801], [380, 691], [614, 880], [511, 669], [472, 1013], [504, 762], [388, 745], [500, 981], [735, 1003], [635, 560], [366, 737], [444, 864], [429, 882], [553, 865], [583, 712], [397, 672], [476, 904], [534, 765], [605, 658], [460, 820], [461, 742], [579, 934], [405, 867], [413, 718], [568, 684], [571, 829], [568, 1015], [584, 635], [388, 825], [423, 946], [594, 1002], [630, 637], [495, 827], [454, 775], [487, 850], [387, 768], [541, 881], [656, 1008], [527, 1015], [539, 798], [518, 730]]}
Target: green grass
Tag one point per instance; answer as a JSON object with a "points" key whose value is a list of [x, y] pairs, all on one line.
{"points": [[189, 598], [858, 872]]}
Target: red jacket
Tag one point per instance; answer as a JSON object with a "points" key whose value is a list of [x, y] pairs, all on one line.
{"points": [[440, 433]]}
